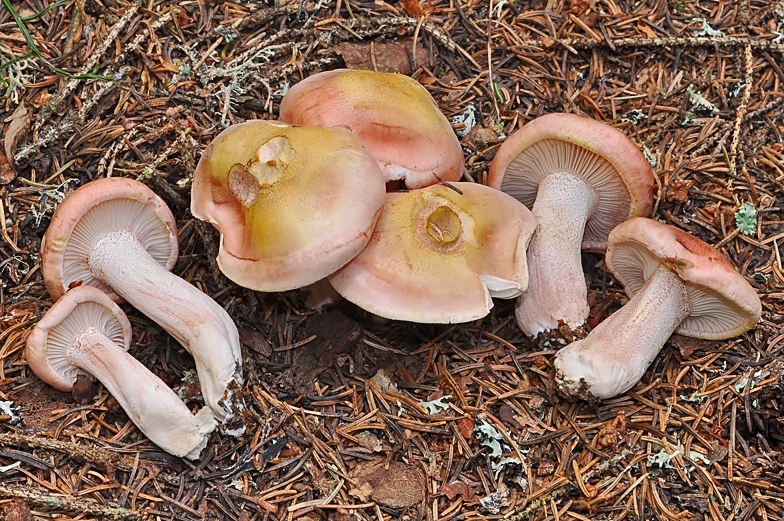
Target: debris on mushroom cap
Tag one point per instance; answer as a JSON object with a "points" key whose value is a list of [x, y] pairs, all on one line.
{"points": [[391, 114], [86, 333], [102, 206], [293, 204], [116, 234], [602, 156], [723, 303], [438, 256], [676, 283]]}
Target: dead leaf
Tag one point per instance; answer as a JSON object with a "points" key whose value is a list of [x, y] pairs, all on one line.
{"points": [[166, 66], [362, 492], [416, 9], [396, 486], [687, 345], [455, 488], [382, 383], [17, 511], [578, 7], [529, 424], [7, 173], [84, 390], [466, 427], [536, 402], [383, 57], [369, 441], [678, 191], [507, 415], [647, 30], [18, 125], [479, 137], [611, 434], [256, 341], [435, 395]]}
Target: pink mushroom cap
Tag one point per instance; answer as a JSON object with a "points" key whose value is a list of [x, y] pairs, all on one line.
{"points": [[47, 344], [393, 116], [676, 283], [723, 303], [581, 178]]}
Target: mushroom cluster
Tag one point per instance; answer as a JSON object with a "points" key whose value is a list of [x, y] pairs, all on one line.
{"points": [[311, 200], [590, 187], [116, 235], [301, 200], [305, 200]]}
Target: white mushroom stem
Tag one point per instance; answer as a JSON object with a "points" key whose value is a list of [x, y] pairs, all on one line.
{"points": [[615, 355], [195, 320], [150, 404], [556, 283]]}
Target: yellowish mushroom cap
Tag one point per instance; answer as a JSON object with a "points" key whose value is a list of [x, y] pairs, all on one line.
{"points": [[293, 204], [439, 256]]}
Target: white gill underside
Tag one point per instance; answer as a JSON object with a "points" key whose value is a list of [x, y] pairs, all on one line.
{"points": [[711, 313], [112, 216], [62, 337], [544, 157]]}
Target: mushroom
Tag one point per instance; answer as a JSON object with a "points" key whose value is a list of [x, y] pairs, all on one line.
{"points": [[439, 254], [293, 204], [117, 235], [676, 283], [580, 178], [391, 114], [86, 333]]}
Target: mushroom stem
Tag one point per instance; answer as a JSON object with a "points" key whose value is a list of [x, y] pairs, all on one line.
{"points": [[120, 261], [556, 283], [615, 355], [150, 404]]}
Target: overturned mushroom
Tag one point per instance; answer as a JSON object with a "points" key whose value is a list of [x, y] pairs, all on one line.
{"points": [[86, 333], [677, 283], [117, 235], [293, 204], [580, 178], [391, 114], [438, 256]]}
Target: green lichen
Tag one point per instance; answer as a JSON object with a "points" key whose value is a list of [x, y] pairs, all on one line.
{"points": [[746, 219]]}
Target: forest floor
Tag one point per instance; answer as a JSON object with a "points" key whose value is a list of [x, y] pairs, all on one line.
{"points": [[352, 419]]}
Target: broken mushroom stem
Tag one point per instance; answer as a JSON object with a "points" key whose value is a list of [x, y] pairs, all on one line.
{"points": [[120, 261], [148, 402], [616, 354], [563, 205]]}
